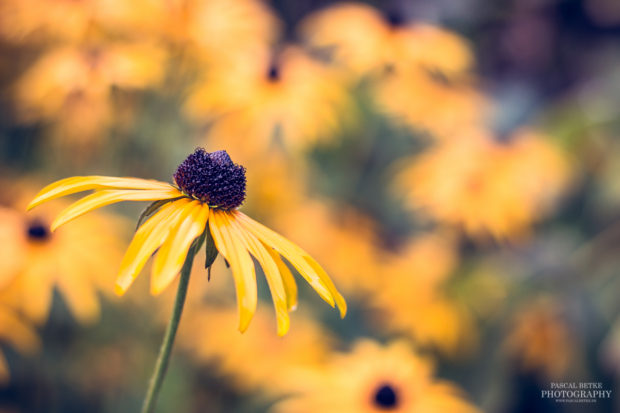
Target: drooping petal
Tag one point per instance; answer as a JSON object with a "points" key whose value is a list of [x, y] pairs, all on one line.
{"points": [[173, 252], [76, 184], [272, 274], [294, 254], [107, 197], [287, 278], [227, 242], [340, 302], [146, 240]]}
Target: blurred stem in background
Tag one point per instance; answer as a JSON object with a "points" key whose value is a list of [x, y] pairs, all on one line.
{"points": [[166, 347]]}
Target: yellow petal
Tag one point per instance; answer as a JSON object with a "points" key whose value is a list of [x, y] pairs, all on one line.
{"points": [[287, 278], [340, 302], [294, 254], [173, 252], [227, 242], [272, 274], [76, 184], [15, 331], [107, 197], [147, 239]]}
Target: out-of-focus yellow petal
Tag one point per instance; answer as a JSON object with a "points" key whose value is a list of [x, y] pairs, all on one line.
{"points": [[75, 184], [272, 274], [228, 243], [287, 278], [19, 334], [78, 292], [107, 197], [290, 251], [173, 252], [147, 239]]}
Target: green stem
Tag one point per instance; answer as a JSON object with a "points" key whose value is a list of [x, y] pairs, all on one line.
{"points": [[166, 346]]}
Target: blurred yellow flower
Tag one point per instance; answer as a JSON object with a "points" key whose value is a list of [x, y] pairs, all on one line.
{"points": [[71, 88], [203, 204], [262, 98], [485, 186], [409, 296], [34, 261], [361, 39], [258, 359], [540, 339], [429, 104], [373, 378], [19, 334]]}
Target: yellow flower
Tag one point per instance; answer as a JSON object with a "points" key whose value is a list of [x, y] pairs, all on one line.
{"points": [[431, 105], [259, 98], [72, 87], [409, 296], [203, 204], [485, 186], [373, 379], [34, 261], [361, 39]]}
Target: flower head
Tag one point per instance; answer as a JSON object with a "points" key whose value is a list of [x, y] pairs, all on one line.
{"points": [[212, 178], [370, 379], [202, 207], [34, 262]]}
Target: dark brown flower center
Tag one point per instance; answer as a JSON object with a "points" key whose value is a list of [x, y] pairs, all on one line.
{"points": [[273, 74], [37, 231], [386, 397], [212, 178]]}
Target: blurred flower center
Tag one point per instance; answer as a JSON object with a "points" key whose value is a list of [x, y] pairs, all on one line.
{"points": [[273, 75], [386, 397], [37, 231], [395, 19], [213, 178]]}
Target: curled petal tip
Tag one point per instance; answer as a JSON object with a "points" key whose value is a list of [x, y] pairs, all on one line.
{"points": [[119, 290]]}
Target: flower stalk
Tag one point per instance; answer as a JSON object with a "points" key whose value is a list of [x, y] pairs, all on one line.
{"points": [[161, 366]]}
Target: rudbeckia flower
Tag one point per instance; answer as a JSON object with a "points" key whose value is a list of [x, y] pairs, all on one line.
{"points": [[371, 379], [34, 262], [71, 88], [363, 40], [486, 186], [202, 205], [291, 96]]}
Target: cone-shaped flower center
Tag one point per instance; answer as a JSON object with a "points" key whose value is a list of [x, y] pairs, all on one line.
{"points": [[212, 178], [386, 397], [37, 231]]}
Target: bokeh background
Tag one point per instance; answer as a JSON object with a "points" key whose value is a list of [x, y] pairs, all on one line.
{"points": [[452, 164]]}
